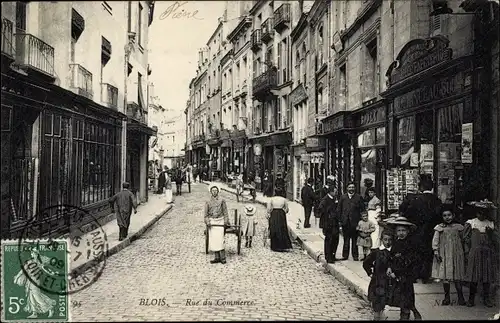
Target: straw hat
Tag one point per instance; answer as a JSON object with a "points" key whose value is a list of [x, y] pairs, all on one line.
{"points": [[249, 209], [212, 186], [401, 220], [483, 204]]}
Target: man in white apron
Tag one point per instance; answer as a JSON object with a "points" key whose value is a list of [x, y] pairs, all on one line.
{"points": [[217, 219]]}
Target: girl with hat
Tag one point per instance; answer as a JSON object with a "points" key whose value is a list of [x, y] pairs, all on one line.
{"points": [[404, 260], [216, 219], [479, 244], [249, 228]]}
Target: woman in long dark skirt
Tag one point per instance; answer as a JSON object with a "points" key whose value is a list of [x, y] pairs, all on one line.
{"points": [[277, 208]]}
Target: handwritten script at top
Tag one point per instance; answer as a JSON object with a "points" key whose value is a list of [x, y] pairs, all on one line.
{"points": [[174, 12]]}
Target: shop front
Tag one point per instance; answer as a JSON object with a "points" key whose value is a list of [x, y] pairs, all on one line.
{"points": [[438, 124], [226, 154], [371, 148], [277, 155], [300, 169], [315, 147], [213, 151], [337, 129], [238, 151]]}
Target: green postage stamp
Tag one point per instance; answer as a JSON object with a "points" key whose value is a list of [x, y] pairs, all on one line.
{"points": [[35, 281]]}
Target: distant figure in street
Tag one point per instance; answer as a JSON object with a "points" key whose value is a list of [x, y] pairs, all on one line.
{"points": [[308, 200], [123, 202], [196, 173], [280, 182], [168, 187], [249, 229], [277, 209], [216, 219], [351, 205], [161, 181], [189, 176], [330, 223], [178, 180]]}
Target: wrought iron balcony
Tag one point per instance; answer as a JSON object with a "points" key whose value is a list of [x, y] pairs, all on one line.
{"points": [[282, 17], [7, 38], [267, 29], [256, 39], [265, 82], [135, 112], [81, 80], [109, 95], [33, 53]]}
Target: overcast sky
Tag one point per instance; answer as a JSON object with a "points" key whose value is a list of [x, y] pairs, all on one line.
{"points": [[174, 44]]}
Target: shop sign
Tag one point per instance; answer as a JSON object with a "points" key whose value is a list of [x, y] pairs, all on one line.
{"points": [[305, 158], [441, 89], [467, 143], [335, 123], [372, 116], [257, 149], [298, 95], [417, 56], [315, 142]]}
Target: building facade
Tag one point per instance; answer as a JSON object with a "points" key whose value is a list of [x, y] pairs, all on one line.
{"points": [[64, 112]]}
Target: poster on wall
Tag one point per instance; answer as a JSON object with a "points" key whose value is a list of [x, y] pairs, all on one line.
{"points": [[467, 143], [426, 153]]}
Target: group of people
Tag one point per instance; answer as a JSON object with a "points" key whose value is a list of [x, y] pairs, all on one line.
{"points": [[177, 175]]}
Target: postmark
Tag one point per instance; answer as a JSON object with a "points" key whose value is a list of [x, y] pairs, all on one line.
{"points": [[86, 240], [42, 264]]}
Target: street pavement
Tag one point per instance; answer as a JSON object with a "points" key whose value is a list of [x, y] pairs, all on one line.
{"points": [[165, 275]]}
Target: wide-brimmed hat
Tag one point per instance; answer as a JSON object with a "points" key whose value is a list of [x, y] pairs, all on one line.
{"points": [[401, 220], [483, 204], [249, 209], [212, 186]]}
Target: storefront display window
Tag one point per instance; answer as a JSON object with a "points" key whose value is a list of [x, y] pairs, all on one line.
{"points": [[406, 140], [449, 152], [371, 159]]}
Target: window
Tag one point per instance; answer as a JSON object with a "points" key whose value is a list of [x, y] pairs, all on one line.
{"points": [[285, 61], [279, 106], [280, 64], [298, 67], [370, 70], [269, 56], [21, 16], [406, 134], [139, 27], [304, 61], [319, 99], [342, 97], [289, 111], [320, 47]]}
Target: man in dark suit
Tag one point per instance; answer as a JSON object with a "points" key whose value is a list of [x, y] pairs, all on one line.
{"points": [[308, 199], [423, 210], [350, 207], [330, 223]]}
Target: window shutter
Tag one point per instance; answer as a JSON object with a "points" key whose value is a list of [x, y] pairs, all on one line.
{"points": [[279, 63], [435, 25]]}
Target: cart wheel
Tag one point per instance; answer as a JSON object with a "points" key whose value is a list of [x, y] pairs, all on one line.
{"points": [[239, 240], [206, 241]]}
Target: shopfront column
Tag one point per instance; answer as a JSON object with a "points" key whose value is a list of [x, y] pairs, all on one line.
{"points": [[143, 164]]}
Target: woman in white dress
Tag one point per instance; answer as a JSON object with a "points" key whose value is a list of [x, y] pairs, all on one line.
{"points": [[168, 188], [374, 209]]}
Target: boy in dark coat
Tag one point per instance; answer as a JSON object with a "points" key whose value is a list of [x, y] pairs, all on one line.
{"points": [[124, 202], [376, 265]]}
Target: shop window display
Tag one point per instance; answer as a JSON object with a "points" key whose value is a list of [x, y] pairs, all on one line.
{"points": [[371, 151]]}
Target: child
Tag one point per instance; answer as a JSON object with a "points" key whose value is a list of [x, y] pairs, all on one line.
{"points": [[449, 261], [249, 229], [481, 259], [403, 269], [375, 265], [365, 228]]}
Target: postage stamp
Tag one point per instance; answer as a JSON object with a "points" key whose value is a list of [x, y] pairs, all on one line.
{"points": [[87, 243], [35, 281]]}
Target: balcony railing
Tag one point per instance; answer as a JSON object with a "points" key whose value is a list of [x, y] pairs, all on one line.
{"points": [[7, 38], [34, 53], [282, 17], [267, 29], [109, 95], [256, 39], [81, 80], [265, 81], [135, 112]]}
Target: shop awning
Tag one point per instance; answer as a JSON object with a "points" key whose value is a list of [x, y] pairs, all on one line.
{"points": [[135, 126]]}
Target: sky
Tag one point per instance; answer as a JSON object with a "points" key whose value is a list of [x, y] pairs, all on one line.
{"points": [[174, 41]]}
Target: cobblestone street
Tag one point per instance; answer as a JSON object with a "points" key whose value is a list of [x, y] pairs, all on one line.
{"points": [[164, 274]]}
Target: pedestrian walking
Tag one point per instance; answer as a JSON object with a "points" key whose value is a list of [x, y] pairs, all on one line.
{"points": [[330, 223], [179, 178], [216, 219], [351, 205], [250, 228], [308, 200], [161, 180], [423, 210], [374, 210], [123, 202], [482, 260], [449, 261], [403, 269], [168, 188], [376, 265], [189, 176], [277, 209], [365, 229]]}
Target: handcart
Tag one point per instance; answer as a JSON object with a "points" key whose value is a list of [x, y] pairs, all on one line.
{"points": [[231, 229]]}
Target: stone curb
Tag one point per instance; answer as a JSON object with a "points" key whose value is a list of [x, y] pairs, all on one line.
{"points": [[341, 275], [127, 241]]}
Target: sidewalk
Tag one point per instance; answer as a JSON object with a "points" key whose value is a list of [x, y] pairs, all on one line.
{"points": [[147, 214], [351, 273]]}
